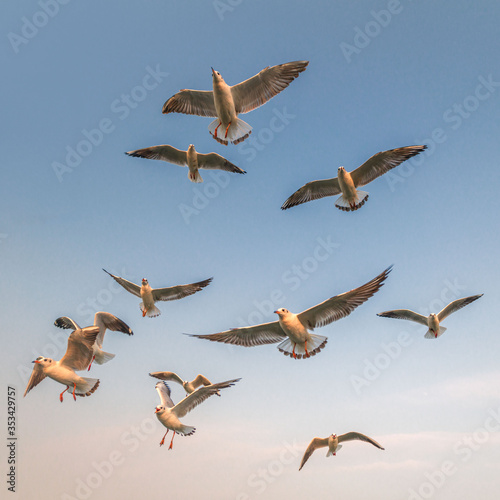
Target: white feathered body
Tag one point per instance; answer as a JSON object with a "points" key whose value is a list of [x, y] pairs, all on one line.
{"points": [[192, 162], [148, 303], [351, 198], [168, 418], [66, 376]]}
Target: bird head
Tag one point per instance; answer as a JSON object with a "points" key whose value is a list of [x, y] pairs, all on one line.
{"points": [[216, 77], [282, 312], [334, 436], [341, 170], [159, 409], [144, 281], [43, 361]]}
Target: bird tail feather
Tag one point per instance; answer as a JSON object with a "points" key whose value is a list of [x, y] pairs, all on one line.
{"points": [[151, 313], [431, 335], [195, 177], [342, 204], [86, 389], [237, 132], [103, 357], [337, 449], [314, 345], [187, 430]]}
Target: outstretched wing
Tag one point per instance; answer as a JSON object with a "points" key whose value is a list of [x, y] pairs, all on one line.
{"points": [[351, 436], [163, 152], [341, 305], [456, 305], [129, 286], [80, 348], [37, 375], [180, 291], [200, 380], [213, 161], [404, 314], [164, 393], [66, 323], [191, 102], [382, 162], [313, 446], [257, 90], [313, 191], [249, 336], [197, 397], [167, 376], [105, 320]]}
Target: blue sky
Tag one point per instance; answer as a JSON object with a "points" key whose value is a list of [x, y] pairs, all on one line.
{"points": [[426, 73]]}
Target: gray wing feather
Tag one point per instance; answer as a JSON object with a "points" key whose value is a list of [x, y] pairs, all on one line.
{"points": [[129, 286], [404, 314], [313, 191], [163, 152], [191, 102], [167, 376], [105, 320], [215, 161], [80, 348], [382, 162], [351, 436], [341, 305], [257, 90], [164, 392], [313, 446], [456, 305], [37, 375], [66, 323], [249, 336], [180, 291]]}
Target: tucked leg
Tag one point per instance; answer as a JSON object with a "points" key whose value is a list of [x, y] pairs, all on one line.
{"points": [[74, 389], [215, 132], [227, 128]]}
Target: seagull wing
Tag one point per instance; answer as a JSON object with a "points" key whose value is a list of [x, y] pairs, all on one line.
{"points": [[341, 305], [129, 286], [456, 305], [105, 320], [249, 336], [80, 348], [197, 397], [382, 162], [405, 314], [191, 102], [66, 323], [167, 376], [215, 161], [200, 380], [313, 446], [257, 90], [37, 375], [351, 436], [313, 191], [164, 393], [163, 152], [180, 291]]}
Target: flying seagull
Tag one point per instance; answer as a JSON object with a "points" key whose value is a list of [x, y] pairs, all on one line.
{"points": [[226, 102], [151, 295], [189, 387], [78, 357], [104, 321], [332, 442], [292, 329], [169, 414], [346, 183], [433, 320], [191, 158]]}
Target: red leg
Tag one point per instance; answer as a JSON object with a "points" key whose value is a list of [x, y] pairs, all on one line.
{"points": [[215, 132], [293, 352], [162, 442], [93, 357], [144, 312], [74, 389], [61, 395], [172, 442], [227, 128], [307, 354]]}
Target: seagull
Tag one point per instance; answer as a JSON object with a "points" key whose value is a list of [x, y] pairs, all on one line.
{"points": [[103, 321], [169, 414], [78, 357], [189, 387], [151, 295], [292, 329], [433, 320], [191, 158], [346, 183], [226, 102], [333, 444]]}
